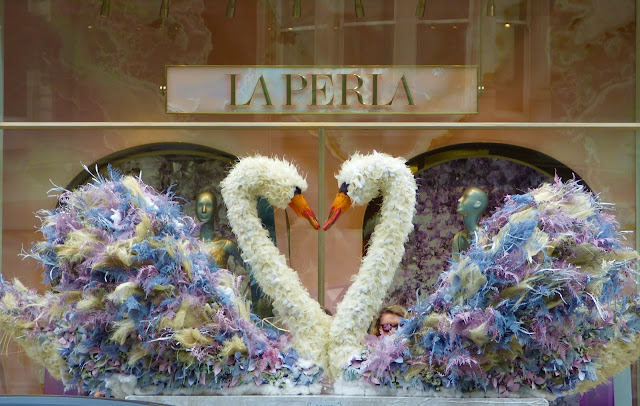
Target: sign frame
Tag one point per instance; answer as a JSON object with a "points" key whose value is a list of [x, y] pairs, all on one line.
{"points": [[353, 81]]}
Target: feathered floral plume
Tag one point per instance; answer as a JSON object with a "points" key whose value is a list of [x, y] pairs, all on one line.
{"points": [[139, 306], [544, 303]]}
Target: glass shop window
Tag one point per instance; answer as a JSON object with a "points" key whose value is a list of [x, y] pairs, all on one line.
{"points": [[446, 35], [513, 57]]}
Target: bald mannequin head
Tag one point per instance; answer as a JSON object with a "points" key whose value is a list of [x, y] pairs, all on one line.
{"points": [[205, 206], [470, 205], [472, 202]]}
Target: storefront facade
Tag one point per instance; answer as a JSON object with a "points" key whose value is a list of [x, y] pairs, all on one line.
{"points": [[552, 89]]}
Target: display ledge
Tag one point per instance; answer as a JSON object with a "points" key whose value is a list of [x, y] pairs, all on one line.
{"points": [[319, 400]]}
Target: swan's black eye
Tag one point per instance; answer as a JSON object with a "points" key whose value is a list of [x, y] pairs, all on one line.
{"points": [[297, 191], [344, 188]]}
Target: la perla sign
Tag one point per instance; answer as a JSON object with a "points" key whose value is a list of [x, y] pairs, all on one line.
{"points": [[322, 89]]}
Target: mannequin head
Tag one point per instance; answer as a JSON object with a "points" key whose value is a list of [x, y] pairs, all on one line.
{"points": [[205, 206], [473, 201]]}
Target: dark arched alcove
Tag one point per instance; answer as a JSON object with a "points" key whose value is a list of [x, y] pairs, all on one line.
{"points": [[531, 158], [187, 169]]}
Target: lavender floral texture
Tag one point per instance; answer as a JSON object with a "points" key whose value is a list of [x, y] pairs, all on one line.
{"points": [[541, 302], [138, 306], [428, 251]]}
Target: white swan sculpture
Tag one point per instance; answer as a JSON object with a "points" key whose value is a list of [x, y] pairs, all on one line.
{"points": [[362, 178], [140, 307], [543, 304], [280, 183]]}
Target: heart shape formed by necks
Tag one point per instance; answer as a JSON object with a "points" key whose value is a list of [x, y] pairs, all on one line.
{"points": [[330, 342]]}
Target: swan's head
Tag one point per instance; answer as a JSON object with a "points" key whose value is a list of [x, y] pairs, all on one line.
{"points": [[363, 177], [276, 180]]}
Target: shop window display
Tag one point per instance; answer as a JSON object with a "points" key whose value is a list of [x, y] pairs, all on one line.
{"points": [[537, 62], [537, 261]]}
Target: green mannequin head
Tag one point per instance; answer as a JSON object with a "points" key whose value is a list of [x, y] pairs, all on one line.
{"points": [[472, 202], [205, 206]]}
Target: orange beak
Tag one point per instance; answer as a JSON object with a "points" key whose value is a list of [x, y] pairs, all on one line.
{"points": [[340, 204], [301, 208]]}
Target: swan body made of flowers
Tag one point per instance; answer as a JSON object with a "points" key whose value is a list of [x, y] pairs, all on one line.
{"points": [[543, 304], [138, 306]]}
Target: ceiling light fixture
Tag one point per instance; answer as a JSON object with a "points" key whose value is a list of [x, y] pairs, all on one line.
{"points": [[422, 4], [106, 7], [296, 8], [164, 9], [359, 8], [231, 8], [491, 8]]}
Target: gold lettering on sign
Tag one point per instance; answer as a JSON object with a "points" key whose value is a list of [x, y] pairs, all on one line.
{"points": [[374, 89], [323, 89], [354, 90], [407, 92], [265, 92], [233, 88], [303, 84]]}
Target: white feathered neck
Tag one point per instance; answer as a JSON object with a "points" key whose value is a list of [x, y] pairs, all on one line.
{"points": [[366, 176], [276, 180]]}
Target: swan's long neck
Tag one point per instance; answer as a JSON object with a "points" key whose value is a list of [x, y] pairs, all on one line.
{"points": [[292, 303], [364, 297]]}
